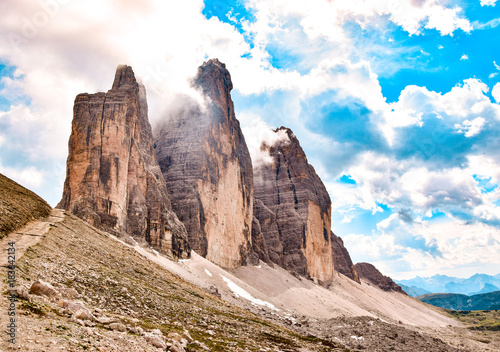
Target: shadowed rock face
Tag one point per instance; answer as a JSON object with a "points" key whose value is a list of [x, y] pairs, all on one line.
{"points": [[294, 211], [207, 167], [113, 180], [342, 260], [368, 272]]}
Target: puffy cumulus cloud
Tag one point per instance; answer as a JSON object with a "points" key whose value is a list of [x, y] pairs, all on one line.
{"points": [[321, 18], [442, 128], [371, 248], [412, 192], [451, 190], [22, 129]]}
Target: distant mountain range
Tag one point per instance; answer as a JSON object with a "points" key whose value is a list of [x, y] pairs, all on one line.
{"points": [[414, 291], [485, 301], [478, 283]]}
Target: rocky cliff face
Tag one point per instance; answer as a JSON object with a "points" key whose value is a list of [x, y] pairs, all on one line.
{"points": [[294, 210], [342, 260], [208, 170], [371, 274], [113, 180]]}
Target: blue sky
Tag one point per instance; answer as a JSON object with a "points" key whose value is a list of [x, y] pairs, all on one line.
{"points": [[396, 104]]}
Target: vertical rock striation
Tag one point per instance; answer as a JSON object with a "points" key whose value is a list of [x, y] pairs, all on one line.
{"points": [[113, 180], [294, 210], [207, 167]]}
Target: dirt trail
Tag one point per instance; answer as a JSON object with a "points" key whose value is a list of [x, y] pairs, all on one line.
{"points": [[29, 235]]}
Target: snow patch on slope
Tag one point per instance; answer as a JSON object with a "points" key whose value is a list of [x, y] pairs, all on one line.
{"points": [[239, 292]]}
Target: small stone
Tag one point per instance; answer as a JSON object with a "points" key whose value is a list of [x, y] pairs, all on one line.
{"points": [[23, 293], [124, 290], [173, 336], [211, 332], [117, 327], [106, 320], [135, 330], [176, 347], [70, 293], [187, 336], [156, 341], [201, 345], [83, 314]]}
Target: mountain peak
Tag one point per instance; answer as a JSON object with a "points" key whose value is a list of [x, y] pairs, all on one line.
{"points": [[215, 80], [124, 77]]}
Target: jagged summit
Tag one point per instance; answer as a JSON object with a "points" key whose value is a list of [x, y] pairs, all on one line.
{"points": [[124, 77], [210, 73], [113, 180]]}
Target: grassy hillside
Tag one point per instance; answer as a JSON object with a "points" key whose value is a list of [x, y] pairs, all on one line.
{"points": [[455, 301], [18, 206], [482, 320]]}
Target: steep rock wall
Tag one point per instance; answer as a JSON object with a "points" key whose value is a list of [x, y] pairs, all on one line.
{"points": [[294, 210], [208, 170]]}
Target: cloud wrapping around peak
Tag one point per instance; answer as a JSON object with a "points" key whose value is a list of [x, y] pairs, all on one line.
{"points": [[259, 137]]}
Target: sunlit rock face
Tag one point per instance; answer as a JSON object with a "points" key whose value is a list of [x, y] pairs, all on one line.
{"points": [[294, 210], [113, 180], [207, 167]]}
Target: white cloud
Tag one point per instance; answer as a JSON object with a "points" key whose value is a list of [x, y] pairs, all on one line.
{"points": [[495, 92], [427, 247], [29, 177], [321, 18], [488, 2], [464, 57], [347, 219], [471, 128], [256, 132]]}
